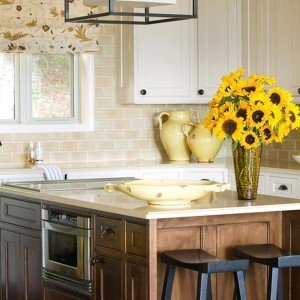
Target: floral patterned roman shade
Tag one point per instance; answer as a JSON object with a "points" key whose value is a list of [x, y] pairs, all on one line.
{"points": [[38, 26]]}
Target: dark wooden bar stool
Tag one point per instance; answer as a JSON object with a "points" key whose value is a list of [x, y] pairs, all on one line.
{"points": [[205, 264], [273, 257]]}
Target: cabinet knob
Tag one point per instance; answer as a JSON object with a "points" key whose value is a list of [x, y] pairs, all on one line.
{"points": [[97, 260], [299, 91], [283, 188], [108, 232], [143, 92], [201, 92]]}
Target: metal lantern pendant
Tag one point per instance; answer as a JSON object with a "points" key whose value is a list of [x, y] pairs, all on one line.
{"points": [[125, 12]]}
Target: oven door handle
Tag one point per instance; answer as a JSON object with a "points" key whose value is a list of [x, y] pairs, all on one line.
{"points": [[66, 229]]}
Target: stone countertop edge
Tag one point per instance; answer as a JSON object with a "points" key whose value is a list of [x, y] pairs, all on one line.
{"points": [[223, 203]]}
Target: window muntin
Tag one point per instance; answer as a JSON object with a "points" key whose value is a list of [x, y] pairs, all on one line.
{"points": [[72, 110]]}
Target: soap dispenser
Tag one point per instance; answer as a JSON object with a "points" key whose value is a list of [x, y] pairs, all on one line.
{"points": [[38, 154], [31, 154]]}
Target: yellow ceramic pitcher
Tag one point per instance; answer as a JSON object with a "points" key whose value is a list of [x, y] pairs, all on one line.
{"points": [[202, 142], [171, 135]]}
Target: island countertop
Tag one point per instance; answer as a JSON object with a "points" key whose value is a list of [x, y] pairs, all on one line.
{"points": [[221, 203]]}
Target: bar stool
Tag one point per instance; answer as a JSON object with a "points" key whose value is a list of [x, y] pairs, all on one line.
{"points": [[205, 264], [273, 257]]}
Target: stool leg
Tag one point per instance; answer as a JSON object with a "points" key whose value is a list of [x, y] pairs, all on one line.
{"points": [[168, 282], [204, 286], [273, 283], [279, 293], [240, 290]]}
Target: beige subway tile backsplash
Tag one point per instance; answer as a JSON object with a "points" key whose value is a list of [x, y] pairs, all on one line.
{"points": [[122, 132]]}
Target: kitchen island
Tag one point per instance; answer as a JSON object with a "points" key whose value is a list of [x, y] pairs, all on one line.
{"points": [[129, 257]]}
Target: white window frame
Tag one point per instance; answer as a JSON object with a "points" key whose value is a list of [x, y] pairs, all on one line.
{"points": [[85, 101]]}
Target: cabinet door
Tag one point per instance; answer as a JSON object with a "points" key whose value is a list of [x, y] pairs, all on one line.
{"points": [[20, 266], [157, 62], [10, 265], [136, 278], [271, 41], [285, 43], [30, 267], [219, 43], [109, 283]]}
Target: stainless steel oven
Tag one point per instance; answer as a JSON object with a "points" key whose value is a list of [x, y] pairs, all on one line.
{"points": [[66, 244]]}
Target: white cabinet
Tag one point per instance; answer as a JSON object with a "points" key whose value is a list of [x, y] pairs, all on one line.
{"points": [[156, 63], [173, 174], [285, 45], [104, 173], [280, 183], [179, 62], [272, 41], [214, 174], [219, 43], [283, 185]]}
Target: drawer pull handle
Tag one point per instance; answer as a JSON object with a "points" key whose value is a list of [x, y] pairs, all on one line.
{"points": [[97, 260], [283, 188], [109, 232]]}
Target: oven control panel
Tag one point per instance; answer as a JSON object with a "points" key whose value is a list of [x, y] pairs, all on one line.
{"points": [[65, 218]]}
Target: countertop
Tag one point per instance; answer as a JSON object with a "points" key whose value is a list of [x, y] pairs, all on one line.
{"points": [[267, 165], [222, 203]]}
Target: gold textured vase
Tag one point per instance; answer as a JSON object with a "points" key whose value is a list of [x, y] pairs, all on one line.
{"points": [[247, 167]]}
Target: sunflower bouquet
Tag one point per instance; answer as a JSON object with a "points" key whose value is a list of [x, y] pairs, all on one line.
{"points": [[251, 111]]}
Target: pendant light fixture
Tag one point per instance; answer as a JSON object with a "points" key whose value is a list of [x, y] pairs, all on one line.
{"points": [[125, 12]]}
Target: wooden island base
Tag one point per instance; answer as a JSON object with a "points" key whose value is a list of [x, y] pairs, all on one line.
{"points": [[217, 235]]}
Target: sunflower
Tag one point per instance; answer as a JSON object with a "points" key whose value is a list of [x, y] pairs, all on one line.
{"points": [[281, 132], [242, 109], [211, 118], [249, 139], [292, 115], [267, 134], [229, 125], [250, 111], [276, 115], [279, 96], [258, 115]]}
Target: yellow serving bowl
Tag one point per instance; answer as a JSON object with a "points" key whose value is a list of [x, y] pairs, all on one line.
{"points": [[167, 192]]}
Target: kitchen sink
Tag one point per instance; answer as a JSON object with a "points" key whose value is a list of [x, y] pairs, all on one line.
{"points": [[65, 185]]}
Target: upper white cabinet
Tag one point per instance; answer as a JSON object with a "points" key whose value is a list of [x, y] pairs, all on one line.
{"points": [[156, 63], [219, 43], [272, 41], [179, 62]]}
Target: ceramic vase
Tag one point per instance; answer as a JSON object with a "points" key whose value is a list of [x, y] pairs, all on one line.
{"points": [[203, 143], [171, 134], [247, 167]]}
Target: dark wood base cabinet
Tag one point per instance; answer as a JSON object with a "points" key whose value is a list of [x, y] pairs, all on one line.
{"points": [[20, 266], [121, 259], [55, 292], [20, 250]]}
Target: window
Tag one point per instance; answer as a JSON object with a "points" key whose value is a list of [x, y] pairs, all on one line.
{"points": [[46, 92]]}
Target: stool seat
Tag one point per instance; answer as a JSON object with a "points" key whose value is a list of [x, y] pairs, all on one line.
{"points": [[201, 261], [273, 257], [205, 264], [267, 254]]}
